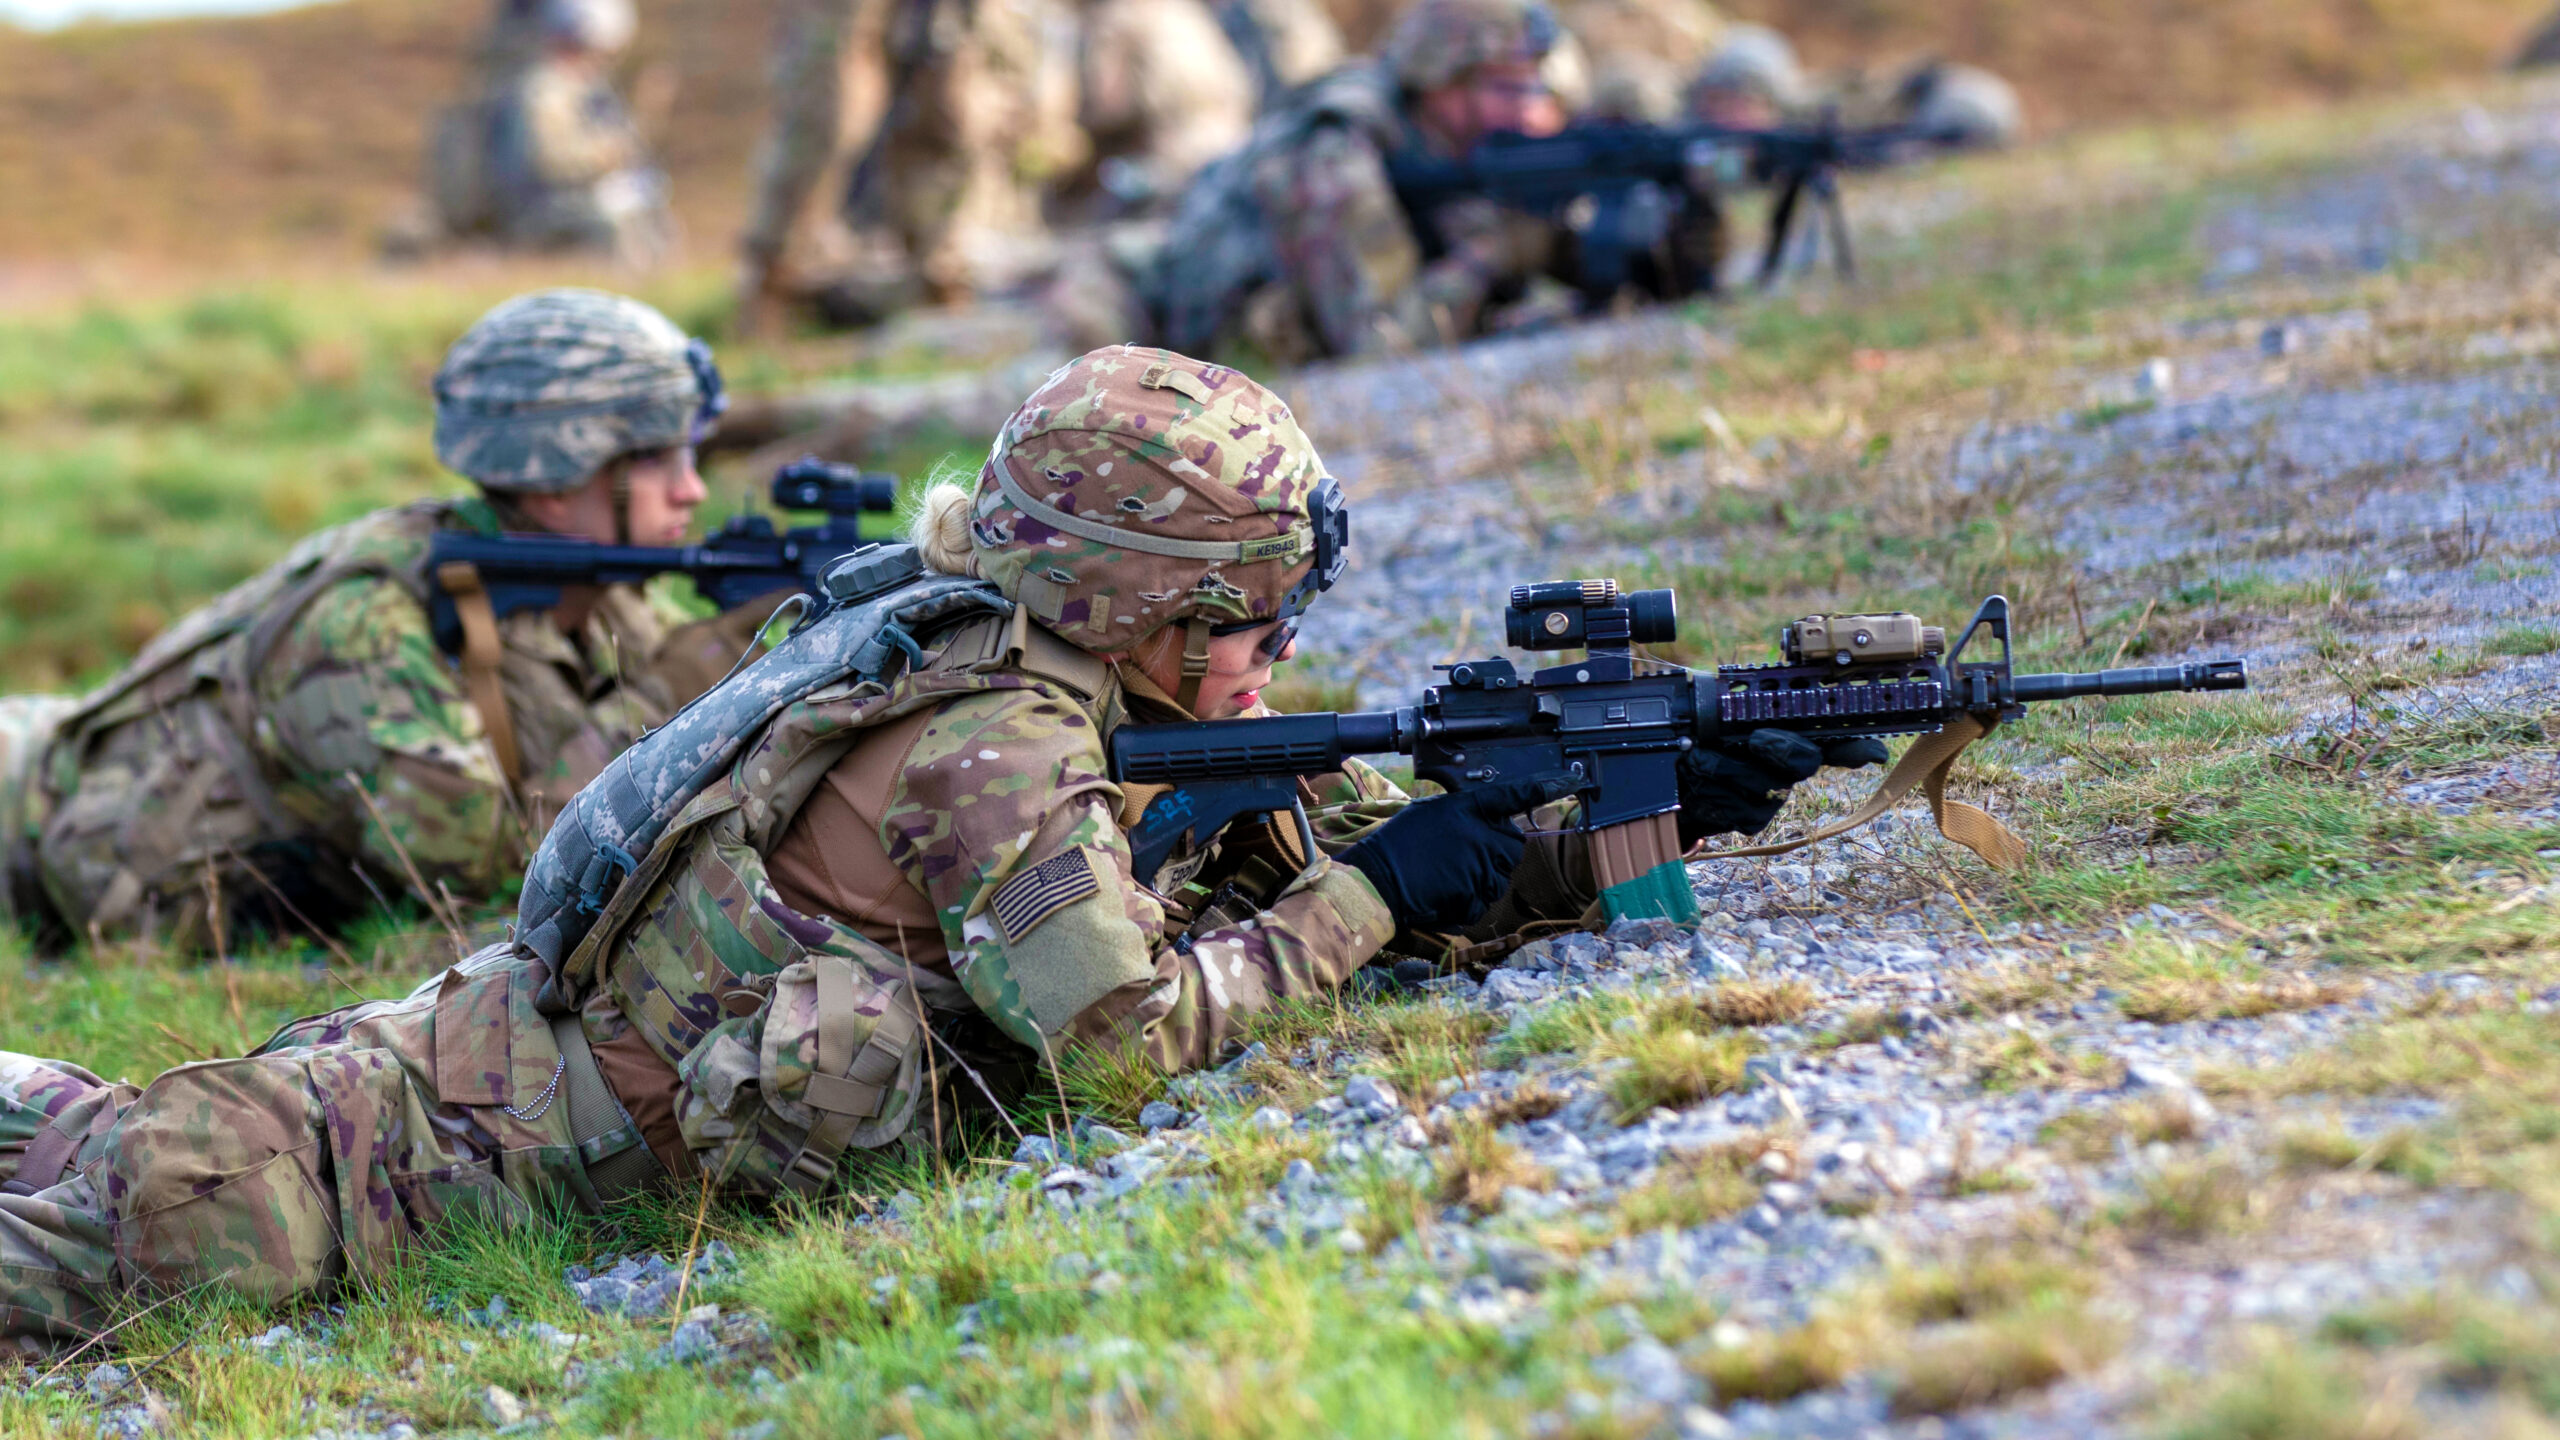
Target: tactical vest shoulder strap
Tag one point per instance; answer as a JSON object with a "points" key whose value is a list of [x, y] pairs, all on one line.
{"points": [[1021, 644], [601, 837]]}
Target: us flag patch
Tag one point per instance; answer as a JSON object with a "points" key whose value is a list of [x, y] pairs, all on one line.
{"points": [[1043, 891]]}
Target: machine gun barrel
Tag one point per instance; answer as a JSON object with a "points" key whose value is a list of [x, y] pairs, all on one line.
{"points": [[2137, 680]]}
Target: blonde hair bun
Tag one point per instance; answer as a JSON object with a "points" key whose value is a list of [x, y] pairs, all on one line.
{"points": [[941, 529]]}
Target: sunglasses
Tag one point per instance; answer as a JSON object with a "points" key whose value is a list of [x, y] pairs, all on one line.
{"points": [[1282, 634]]}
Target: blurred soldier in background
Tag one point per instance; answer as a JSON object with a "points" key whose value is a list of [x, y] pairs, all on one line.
{"points": [[1297, 246], [567, 167], [1162, 91], [1971, 108], [300, 747], [945, 200], [1283, 43], [1000, 118], [1750, 80], [2542, 47], [544, 155], [1639, 53]]}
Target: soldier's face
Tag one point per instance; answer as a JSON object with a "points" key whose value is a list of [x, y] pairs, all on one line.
{"points": [[664, 489], [1237, 668], [1507, 95]]}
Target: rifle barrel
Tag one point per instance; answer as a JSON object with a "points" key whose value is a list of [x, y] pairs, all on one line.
{"points": [[2137, 680]]}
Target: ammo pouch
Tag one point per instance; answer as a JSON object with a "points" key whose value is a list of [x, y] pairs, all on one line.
{"points": [[794, 1037], [829, 1063]]}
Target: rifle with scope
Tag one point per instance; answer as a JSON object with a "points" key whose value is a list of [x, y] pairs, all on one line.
{"points": [[746, 557], [1622, 188], [1611, 726]]}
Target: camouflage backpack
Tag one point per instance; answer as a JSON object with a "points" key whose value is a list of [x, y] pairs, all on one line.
{"points": [[880, 600]]}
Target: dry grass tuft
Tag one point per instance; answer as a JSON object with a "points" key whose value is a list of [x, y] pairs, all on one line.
{"points": [[2095, 1134], [2021, 1058], [1983, 1363], [2402, 1152], [2008, 989], [1863, 1025], [1531, 1099], [1672, 1068], [1477, 1165], [1755, 1002], [2171, 999], [2192, 1201], [1773, 1369], [1686, 1192], [1982, 1285]]}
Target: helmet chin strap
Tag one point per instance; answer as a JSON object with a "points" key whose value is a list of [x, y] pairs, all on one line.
{"points": [[619, 484], [1195, 664]]}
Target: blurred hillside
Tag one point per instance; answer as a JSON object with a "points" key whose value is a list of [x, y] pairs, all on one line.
{"points": [[218, 139], [300, 133]]}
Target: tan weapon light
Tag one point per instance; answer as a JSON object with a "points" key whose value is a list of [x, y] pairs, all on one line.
{"points": [[1860, 639]]}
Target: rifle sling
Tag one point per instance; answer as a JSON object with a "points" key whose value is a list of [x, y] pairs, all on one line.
{"points": [[481, 653], [1925, 764]]}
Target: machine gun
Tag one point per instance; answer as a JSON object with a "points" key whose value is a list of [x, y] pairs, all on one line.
{"points": [[1623, 188], [744, 558], [1613, 726]]}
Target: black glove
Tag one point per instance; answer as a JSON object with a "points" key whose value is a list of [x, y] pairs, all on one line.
{"points": [[1442, 861], [1740, 785]]}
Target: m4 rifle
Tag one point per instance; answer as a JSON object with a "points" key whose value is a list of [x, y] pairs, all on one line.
{"points": [[1612, 727], [745, 558]]}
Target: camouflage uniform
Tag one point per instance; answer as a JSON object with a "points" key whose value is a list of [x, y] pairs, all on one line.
{"points": [[740, 1035], [1297, 246], [1161, 92], [568, 170], [341, 1141], [299, 747], [946, 197]]}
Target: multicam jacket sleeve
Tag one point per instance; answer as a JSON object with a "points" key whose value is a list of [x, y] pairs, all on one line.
{"points": [[1003, 817]]}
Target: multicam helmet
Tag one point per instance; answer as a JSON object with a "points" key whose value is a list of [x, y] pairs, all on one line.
{"points": [[1439, 41], [547, 388], [1138, 488]]}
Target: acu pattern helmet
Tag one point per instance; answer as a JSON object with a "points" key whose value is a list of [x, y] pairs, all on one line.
{"points": [[1138, 488], [546, 389], [1753, 61], [1439, 41]]}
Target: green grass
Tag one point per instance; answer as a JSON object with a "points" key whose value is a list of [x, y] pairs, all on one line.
{"points": [[163, 450]]}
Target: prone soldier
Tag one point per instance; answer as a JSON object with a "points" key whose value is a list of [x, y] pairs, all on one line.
{"points": [[299, 747], [543, 154], [1298, 245], [897, 865]]}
